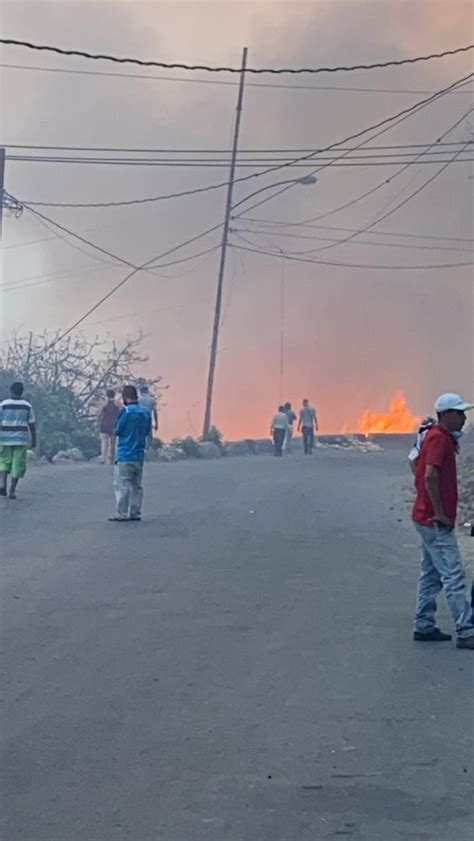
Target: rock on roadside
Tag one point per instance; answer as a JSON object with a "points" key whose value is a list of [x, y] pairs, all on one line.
{"points": [[208, 450], [263, 446], [237, 448], [72, 456]]}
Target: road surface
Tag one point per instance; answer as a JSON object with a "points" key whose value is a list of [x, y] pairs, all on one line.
{"points": [[237, 667]]}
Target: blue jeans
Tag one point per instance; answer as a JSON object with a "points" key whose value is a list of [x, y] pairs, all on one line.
{"points": [[308, 439], [442, 566]]}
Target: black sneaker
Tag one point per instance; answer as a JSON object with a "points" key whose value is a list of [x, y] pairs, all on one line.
{"points": [[465, 642], [433, 636], [3, 491]]}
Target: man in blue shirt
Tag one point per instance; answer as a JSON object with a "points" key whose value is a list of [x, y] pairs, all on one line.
{"points": [[132, 429]]}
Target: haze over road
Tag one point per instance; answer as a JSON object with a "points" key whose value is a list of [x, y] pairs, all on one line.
{"points": [[237, 667]]}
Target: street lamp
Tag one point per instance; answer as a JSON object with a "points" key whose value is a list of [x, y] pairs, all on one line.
{"points": [[306, 180]]}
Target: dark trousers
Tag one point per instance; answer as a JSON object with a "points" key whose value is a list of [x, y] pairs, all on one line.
{"points": [[278, 441], [308, 439]]}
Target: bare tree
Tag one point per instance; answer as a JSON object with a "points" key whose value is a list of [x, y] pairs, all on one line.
{"points": [[85, 367], [67, 382]]}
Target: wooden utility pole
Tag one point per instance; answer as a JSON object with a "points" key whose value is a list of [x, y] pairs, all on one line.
{"points": [[2, 179], [224, 243]]}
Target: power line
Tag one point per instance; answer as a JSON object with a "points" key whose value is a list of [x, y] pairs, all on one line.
{"points": [[392, 211], [135, 269], [403, 245], [146, 267], [285, 256], [215, 81], [349, 162], [396, 120], [420, 158], [398, 117], [104, 250], [13, 287], [205, 151], [386, 159], [13, 42], [370, 233]]}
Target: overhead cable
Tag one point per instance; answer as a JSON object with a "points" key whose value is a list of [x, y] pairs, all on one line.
{"points": [[384, 124], [215, 81], [135, 269], [29, 45], [386, 215], [403, 245], [349, 230], [281, 254], [400, 118], [420, 158], [200, 151]]}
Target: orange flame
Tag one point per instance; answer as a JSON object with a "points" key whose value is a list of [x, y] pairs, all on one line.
{"points": [[398, 418]]}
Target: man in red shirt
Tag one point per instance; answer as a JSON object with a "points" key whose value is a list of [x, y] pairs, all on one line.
{"points": [[434, 515]]}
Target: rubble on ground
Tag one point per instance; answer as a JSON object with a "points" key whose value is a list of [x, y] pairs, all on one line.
{"points": [[74, 455], [168, 453], [208, 450], [348, 442]]}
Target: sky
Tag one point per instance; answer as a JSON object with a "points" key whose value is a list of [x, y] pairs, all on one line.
{"points": [[352, 337]]}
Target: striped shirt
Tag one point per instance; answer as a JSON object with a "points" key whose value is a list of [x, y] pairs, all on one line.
{"points": [[15, 418]]}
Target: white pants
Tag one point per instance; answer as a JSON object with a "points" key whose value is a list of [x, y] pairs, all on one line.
{"points": [[107, 442], [287, 441], [128, 489]]}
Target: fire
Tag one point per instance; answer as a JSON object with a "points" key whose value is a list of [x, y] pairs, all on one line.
{"points": [[399, 418]]}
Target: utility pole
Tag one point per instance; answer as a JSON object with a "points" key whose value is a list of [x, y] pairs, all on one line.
{"points": [[282, 325], [2, 179], [224, 243]]}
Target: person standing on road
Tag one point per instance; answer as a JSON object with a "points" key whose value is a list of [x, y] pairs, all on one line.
{"points": [[17, 425], [149, 403], [434, 515], [107, 421], [308, 423], [279, 430], [289, 435], [132, 429]]}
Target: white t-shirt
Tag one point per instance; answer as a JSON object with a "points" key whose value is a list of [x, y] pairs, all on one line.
{"points": [[280, 421]]}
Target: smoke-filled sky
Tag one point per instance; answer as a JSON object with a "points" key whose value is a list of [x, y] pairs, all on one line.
{"points": [[353, 336]]}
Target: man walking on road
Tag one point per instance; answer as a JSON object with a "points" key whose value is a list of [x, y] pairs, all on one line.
{"points": [[291, 419], [107, 421], [308, 423], [132, 429], [279, 430], [434, 515], [17, 424], [148, 402]]}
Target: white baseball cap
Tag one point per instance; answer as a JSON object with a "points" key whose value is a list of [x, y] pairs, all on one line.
{"points": [[445, 402]]}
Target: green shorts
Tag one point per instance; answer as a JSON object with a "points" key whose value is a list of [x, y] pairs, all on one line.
{"points": [[13, 460]]}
